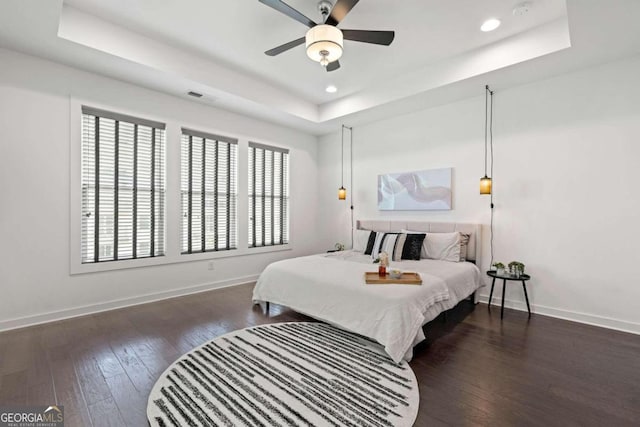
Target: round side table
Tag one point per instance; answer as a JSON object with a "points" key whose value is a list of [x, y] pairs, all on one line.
{"points": [[506, 277]]}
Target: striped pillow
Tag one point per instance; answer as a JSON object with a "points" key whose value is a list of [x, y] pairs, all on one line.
{"points": [[388, 245], [377, 243], [397, 252]]}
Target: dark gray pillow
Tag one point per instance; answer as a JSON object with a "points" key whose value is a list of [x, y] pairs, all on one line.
{"points": [[413, 246]]}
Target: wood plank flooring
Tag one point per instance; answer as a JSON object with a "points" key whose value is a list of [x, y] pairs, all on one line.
{"points": [[473, 370]]}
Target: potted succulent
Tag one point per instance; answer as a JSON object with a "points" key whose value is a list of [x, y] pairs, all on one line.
{"points": [[516, 268], [499, 268]]}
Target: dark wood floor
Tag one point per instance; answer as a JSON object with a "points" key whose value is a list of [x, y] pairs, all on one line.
{"points": [[473, 369]]}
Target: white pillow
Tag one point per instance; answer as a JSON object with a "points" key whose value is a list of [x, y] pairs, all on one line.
{"points": [[360, 240], [443, 246], [464, 246]]}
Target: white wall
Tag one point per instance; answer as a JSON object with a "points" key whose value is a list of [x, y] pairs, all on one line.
{"points": [[566, 177], [35, 132]]}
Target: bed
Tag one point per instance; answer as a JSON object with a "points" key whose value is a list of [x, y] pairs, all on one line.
{"points": [[330, 287]]}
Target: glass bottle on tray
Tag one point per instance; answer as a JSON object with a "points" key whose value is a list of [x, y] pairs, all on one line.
{"points": [[384, 263]]}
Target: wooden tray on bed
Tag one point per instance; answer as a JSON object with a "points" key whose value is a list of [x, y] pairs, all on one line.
{"points": [[373, 278]]}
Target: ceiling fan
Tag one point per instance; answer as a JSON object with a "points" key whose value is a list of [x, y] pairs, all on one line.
{"points": [[324, 42]]}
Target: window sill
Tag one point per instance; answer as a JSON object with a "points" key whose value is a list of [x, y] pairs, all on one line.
{"points": [[76, 269]]}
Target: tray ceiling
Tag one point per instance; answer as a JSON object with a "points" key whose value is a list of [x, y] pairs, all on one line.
{"points": [[217, 48]]}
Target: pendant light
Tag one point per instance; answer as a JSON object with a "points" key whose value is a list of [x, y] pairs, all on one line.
{"points": [[485, 181], [342, 192]]}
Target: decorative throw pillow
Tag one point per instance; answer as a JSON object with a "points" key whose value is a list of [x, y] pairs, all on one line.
{"points": [[443, 246], [397, 251], [387, 245], [360, 240], [423, 251], [370, 243], [413, 246], [377, 244], [464, 243]]}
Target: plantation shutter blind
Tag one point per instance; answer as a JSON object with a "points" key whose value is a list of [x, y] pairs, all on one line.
{"points": [[123, 187], [268, 195], [209, 192]]}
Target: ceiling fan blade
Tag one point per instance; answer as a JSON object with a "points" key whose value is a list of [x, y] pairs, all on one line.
{"points": [[339, 11], [332, 66], [285, 47], [289, 11], [365, 36]]}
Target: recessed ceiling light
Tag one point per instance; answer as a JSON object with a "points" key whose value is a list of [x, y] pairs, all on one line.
{"points": [[490, 24], [331, 89]]}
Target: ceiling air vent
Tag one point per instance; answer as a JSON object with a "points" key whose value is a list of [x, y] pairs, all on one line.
{"points": [[194, 94]]}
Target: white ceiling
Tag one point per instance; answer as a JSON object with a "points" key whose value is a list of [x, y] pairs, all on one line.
{"points": [[236, 33], [216, 48]]}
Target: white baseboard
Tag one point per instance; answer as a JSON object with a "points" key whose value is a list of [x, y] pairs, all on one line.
{"points": [[22, 322], [574, 316]]}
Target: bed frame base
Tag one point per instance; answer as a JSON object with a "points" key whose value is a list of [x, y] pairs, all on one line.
{"points": [[473, 298]]}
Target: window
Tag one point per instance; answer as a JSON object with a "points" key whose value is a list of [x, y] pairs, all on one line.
{"points": [[123, 187], [268, 195], [209, 192]]}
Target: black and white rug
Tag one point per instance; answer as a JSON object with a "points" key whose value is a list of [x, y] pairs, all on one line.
{"points": [[286, 374]]}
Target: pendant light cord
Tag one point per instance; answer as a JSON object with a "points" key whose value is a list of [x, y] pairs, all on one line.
{"points": [[342, 160], [486, 119], [351, 180], [491, 148], [491, 141]]}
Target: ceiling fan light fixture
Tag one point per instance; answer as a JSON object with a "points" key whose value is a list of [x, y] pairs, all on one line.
{"points": [[324, 44]]}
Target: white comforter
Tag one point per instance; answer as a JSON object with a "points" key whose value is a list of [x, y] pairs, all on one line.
{"points": [[331, 287]]}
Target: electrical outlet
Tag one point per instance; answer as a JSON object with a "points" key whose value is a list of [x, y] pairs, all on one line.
{"points": [[210, 265]]}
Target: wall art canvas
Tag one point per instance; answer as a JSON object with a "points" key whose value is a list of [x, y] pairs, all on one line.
{"points": [[428, 190]]}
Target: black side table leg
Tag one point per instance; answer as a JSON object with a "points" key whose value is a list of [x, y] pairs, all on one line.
{"points": [[526, 297], [504, 288], [491, 293]]}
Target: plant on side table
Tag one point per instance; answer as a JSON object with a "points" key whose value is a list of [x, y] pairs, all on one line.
{"points": [[499, 268], [516, 268]]}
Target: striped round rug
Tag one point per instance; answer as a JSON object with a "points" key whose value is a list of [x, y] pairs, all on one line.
{"points": [[286, 374]]}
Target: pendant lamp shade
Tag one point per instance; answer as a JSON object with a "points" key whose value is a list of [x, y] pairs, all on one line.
{"points": [[342, 193], [485, 185]]}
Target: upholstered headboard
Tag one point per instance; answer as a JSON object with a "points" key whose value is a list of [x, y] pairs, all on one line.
{"points": [[474, 249]]}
